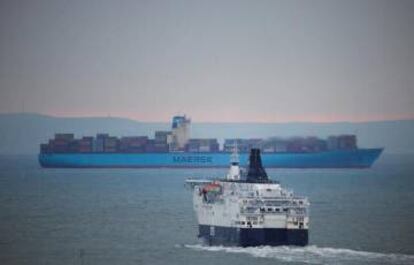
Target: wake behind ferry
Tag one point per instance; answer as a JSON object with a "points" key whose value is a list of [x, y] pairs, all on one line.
{"points": [[176, 148]]}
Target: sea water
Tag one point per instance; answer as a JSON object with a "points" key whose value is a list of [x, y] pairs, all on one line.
{"points": [[145, 216]]}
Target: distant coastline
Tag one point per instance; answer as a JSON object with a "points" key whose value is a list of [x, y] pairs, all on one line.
{"points": [[21, 133]]}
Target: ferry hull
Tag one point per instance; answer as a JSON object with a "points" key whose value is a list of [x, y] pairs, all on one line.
{"points": [[359, 158], [249, 237]]}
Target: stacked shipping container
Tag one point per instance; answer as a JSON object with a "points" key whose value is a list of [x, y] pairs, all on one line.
{"points": [[202, 145], [243, 145], [104, 143]]}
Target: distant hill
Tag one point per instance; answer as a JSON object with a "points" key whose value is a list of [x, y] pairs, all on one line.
{"points": [[22, 133]]}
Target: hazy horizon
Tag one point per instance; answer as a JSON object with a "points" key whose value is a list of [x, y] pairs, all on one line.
{"points": [[195, 121], [395, 136], [216, 61]]}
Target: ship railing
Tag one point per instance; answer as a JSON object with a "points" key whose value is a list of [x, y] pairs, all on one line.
{"points": [[299, 201], [297, 215], [290, 210], [252, 195], [265, 203], [192, 182]]}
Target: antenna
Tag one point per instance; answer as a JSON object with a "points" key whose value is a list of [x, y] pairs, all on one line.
{"points": [[235, 154]]}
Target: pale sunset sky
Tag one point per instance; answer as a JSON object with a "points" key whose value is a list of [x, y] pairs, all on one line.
{"points": [[216, 61]]}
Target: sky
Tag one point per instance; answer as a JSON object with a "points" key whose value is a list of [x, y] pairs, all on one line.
{"points": [[218, 61]]}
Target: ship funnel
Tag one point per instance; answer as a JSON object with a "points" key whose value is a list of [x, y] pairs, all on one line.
{"points": [[256, 172]]}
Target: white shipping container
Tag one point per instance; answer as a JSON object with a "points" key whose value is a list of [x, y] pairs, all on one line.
{"points": [[204, 148]]}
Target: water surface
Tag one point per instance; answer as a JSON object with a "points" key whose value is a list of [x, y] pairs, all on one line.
{"points": [[145, 216]]}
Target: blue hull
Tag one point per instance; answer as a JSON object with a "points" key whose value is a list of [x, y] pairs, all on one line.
{"points": [[250, 237], [359, 158]]}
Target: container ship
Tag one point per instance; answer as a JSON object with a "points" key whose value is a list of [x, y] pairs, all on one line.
{"points": [[176, 148]]}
